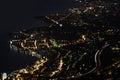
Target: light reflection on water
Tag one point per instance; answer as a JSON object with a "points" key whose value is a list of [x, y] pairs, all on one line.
{"points": [[9, 59]]}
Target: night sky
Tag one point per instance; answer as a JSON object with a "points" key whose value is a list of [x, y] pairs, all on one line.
{"points": [[16, 15]]}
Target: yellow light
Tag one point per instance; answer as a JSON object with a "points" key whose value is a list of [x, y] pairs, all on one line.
{"points": [[84, 37]]}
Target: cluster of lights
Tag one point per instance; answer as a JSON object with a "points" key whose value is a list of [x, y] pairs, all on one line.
{"points": [[34, 46]]}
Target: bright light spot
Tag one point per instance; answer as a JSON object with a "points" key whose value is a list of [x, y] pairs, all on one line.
{"points": [[60, 25], [4, 76], [10, 42], [84, 37]]}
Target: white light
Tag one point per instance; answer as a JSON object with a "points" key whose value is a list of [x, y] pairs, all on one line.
{"points": [[4, 76], [10, 42], [60, 25], [31, 35]]}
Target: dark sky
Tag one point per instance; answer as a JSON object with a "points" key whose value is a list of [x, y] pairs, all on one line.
{"points": [[16, 15]]}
